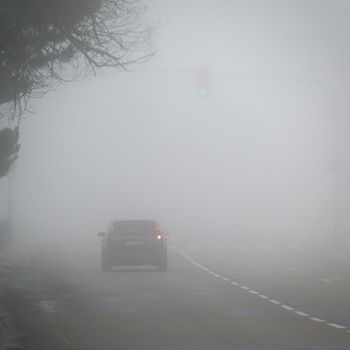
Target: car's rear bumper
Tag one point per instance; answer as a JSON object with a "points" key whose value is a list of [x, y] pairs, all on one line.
{"points": [[136, 256]]}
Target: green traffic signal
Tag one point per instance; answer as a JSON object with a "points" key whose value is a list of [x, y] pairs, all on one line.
{"points": [[203, 92]]}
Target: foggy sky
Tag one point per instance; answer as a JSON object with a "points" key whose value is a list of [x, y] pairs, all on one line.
{"points": [[255, 158]]}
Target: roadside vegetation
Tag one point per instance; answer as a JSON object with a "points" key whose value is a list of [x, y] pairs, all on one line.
{"points": [[9, 338], [47, 43]]}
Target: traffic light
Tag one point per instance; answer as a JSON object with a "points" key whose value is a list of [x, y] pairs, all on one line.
{"points": [[203, 82], [203, 92]]}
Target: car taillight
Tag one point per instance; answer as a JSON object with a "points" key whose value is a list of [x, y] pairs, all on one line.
{"points": [[159, 235]]}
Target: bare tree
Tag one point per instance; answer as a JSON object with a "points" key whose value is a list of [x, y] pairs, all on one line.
{"points": [[47, 42]]}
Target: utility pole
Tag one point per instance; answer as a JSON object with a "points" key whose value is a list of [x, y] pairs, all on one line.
{"points": [[9, 232], [335, 168]]}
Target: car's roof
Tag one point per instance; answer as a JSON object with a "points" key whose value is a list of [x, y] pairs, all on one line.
{"points": [[137, 220]]}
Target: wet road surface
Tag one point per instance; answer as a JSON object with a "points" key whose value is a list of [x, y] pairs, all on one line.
{"points": [[212, 297]]}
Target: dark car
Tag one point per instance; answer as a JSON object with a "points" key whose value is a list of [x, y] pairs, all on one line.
{"points": [[134, 242]]}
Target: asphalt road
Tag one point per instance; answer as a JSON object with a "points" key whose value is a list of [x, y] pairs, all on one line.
{"points": [[212, 297]]}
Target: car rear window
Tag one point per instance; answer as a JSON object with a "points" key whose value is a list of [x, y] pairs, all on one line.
{"points": [[133, 228]]}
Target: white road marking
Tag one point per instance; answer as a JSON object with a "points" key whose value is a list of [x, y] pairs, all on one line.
{"points": [[205, 269], [253, 292], [335, 325], [292, 269], [262, 296], [316, 319], [301, 313], [331, 279], [55, 327], [289, 308]]}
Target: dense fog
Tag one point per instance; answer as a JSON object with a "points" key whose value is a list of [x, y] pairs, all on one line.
{"points": [[260, 157]]}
